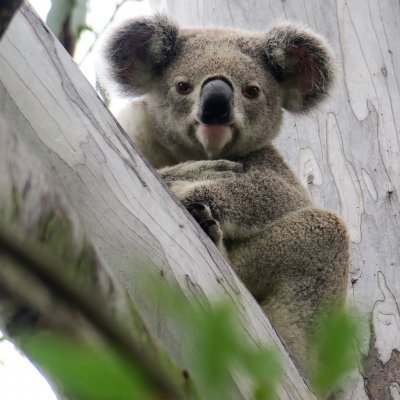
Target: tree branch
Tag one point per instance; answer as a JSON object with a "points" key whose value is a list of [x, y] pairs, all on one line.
{"points": [[48, 270]]}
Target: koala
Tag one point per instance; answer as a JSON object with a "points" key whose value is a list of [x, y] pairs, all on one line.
{"points": [[208, 104]]}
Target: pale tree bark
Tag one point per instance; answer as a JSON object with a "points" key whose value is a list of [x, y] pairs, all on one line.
{"points": [[347, 153], [67, 161]]}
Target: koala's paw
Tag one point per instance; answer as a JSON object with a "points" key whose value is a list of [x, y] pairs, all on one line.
{"points": [[202, 214]]}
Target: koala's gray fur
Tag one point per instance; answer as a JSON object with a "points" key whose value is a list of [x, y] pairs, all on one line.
{"points": [[292, 255]]}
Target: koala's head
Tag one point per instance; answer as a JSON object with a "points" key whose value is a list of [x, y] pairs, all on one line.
{"points": [[218, 93]]}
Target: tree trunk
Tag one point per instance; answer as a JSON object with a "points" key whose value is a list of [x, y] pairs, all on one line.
{"points": [[347, 153], [109, 189]]}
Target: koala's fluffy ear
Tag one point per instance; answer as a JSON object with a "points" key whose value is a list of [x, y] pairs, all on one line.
{"points": [[302, 62], [136, 52]]}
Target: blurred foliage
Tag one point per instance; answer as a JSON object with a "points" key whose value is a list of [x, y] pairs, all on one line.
{"points": [[334, 353], [86, 372], [62, 9], [67, 19], [215, 345]]}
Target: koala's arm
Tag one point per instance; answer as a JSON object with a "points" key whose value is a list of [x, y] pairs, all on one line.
{"points": [[244, 203], [243, 196], [201, 170]]}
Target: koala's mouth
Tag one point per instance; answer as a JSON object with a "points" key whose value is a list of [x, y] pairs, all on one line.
{"points": [[213, 137]]}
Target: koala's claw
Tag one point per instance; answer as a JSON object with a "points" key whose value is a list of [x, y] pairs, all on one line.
{"points": [[211, 227], [199, 212], [213, 230], [202, 214]]}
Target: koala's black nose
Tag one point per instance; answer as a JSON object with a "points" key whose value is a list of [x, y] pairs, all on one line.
{"points": [[216, 103]]}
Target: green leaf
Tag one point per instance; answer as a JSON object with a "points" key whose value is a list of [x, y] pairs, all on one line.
{"points": [[86, 372], [217, 343], [216, 347], [334, 351], [264, 367]]}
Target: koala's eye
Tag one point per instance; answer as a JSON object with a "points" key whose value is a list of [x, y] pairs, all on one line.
{"points": [[251, 92], [184, 88]]}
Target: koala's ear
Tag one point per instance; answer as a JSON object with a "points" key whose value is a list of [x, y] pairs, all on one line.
{"points": [[136, 52], [302, 62]]}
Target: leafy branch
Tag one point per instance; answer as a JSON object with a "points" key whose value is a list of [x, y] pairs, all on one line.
{"points": [[47, 269], [215, 343]]}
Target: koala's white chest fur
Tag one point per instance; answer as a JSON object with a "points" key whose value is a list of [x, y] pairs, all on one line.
{"points": [[207, 119], [135, 119]]}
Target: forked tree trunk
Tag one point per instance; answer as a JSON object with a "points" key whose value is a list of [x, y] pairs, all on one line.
{"points": [[66, 167], [347, 153]]}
